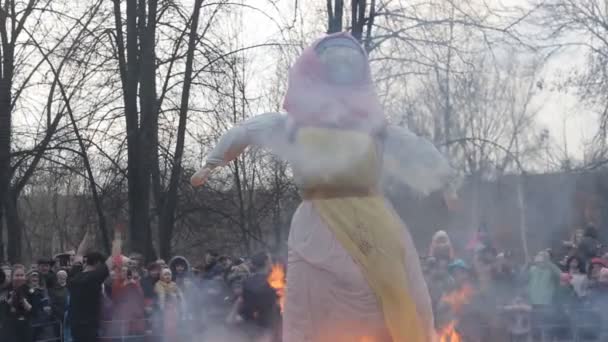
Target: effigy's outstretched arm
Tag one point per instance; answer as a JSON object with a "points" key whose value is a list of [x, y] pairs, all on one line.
{"points": [[265, 130], [414, 161]]}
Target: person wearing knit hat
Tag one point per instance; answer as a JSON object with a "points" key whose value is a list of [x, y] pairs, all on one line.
{"points": [[441, 246], [461, 272], [147, 284], [47, 276], [351, 258], [597, 295], [41, 308]]}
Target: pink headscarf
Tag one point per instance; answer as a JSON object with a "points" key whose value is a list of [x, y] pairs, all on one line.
{"points": [[312, 99]]}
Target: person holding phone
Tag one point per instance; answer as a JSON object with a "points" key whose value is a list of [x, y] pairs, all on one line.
{"points": [[18, 327]]}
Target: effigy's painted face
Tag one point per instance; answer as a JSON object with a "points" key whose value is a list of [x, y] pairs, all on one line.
{"points": [[343, 59]]}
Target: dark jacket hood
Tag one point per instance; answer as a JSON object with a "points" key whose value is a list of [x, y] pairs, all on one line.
{"points": [[177, 259]]}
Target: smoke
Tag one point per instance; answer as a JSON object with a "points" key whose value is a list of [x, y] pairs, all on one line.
{"points": [[209, 306]]}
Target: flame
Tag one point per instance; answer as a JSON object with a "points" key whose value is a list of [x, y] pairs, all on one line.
{"points": [[276, 280], [449, 334], [456, 300]]}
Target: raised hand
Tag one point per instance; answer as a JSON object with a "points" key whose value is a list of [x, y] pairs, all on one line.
{"points": [[200, 177]]}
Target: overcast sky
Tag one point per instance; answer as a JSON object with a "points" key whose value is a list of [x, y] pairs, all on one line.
{"points": [[569, 124]]}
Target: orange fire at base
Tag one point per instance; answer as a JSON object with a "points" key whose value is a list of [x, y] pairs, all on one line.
{"points": [[449, 334], [456, 301], [276, 280]]}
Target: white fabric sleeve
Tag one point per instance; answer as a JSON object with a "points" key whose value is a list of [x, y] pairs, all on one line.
{"points": [[265, 131], [415, 161]]}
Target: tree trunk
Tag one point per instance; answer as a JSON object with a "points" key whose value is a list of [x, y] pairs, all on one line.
{"points": [[138, 193], [521, 206], [370, 25], [2, 255], [170, 202], [334, 15], [149, 116], [14, 233], [358, 18], [447, 114], [14, 229], [5, 158], [10, 28], [277, 209]]}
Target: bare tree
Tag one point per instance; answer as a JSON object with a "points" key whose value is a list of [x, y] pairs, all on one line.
{"points": [[18, 29], [167, 217], [362, 14], [569, 25]]}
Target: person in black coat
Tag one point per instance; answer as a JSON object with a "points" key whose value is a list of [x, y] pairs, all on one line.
{"points": [[18, 303], [47, 276], [41, 308], [147, 285], [589, 246], [85, 298], [3, 306], [260, 304]]}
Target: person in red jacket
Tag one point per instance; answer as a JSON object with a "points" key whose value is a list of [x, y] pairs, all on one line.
{"points": [[127, 297]]}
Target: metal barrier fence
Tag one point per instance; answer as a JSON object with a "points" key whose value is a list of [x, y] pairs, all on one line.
{"points": [[572, 330], [131, 330], [146, 330], [49, 331]]}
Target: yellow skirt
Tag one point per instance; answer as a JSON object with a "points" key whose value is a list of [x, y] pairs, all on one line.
{"points": [[372, 234]]}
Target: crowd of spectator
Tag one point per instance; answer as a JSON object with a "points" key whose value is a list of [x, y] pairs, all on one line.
{"points": [[85, 297], [559, 295], [483, 294]]}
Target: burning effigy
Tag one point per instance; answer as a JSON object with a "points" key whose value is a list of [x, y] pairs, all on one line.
{"points": [[353, 270]]}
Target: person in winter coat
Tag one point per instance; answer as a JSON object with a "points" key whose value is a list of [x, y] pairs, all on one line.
{"points": [[128, 303], [147, 285], [85, 298], [41, 308], [598, 294], [182, 275], [127, 296], [578, 278], [47, 276], [589, 246], [211, 265], [3, 295], [58, 296], [441, 247], [18, 327], [543, 280], [180, 269], [260, 301], [170, 302], [439, 280]]}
